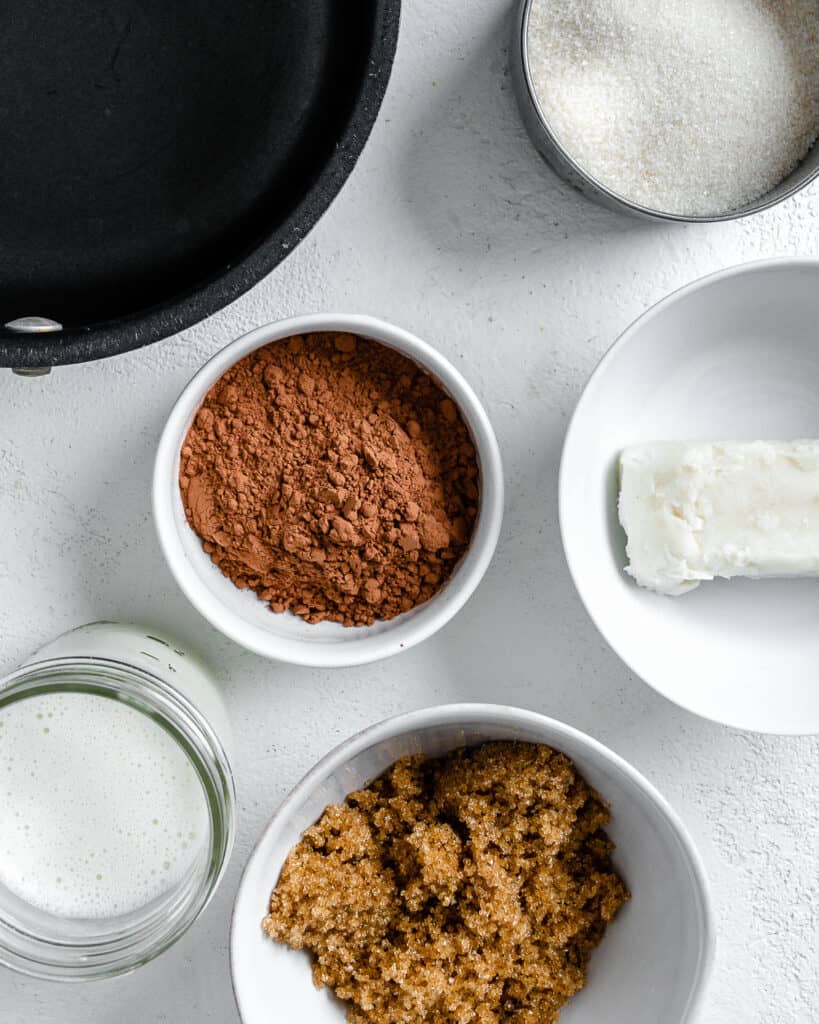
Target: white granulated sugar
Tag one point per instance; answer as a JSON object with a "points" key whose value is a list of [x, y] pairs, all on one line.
{"points": [[693, 107]]}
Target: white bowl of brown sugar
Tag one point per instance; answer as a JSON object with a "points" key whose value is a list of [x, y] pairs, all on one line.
{"points": [[472, 863], [328, 490]]}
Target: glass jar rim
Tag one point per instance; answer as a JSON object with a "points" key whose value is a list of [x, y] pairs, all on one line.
{"points": [[124, 949]]}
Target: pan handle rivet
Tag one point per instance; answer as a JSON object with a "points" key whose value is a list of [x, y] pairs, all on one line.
{"points": [[33, 325]]}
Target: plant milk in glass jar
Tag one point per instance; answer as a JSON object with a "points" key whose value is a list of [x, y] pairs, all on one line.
{"points": [[116, 801]]}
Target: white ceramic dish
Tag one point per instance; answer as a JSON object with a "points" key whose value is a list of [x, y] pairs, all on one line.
{"points": [[248, 620], [654, 961], [734, 356]]}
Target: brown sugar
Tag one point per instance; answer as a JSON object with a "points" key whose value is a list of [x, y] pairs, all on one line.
{"points": [[467, 889], [332, 476]]}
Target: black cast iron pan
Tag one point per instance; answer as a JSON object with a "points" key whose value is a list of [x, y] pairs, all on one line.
{"points": [[158, 157]]}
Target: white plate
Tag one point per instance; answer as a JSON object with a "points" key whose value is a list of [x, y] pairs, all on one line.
{"points": [[734, 356], [655, 958]]}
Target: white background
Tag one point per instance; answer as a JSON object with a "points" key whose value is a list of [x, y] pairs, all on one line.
{"points": [[451, 227]]}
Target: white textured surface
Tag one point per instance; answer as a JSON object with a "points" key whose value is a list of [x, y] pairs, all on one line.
{"points": [[452, 227]]}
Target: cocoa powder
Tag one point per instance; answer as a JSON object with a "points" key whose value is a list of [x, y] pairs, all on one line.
{"points": [[332, 476]]}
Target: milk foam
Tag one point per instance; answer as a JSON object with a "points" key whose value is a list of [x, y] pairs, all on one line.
{"points": [[100, 810]]}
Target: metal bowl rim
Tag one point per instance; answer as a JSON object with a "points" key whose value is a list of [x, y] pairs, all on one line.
{"points": [[762, 204]]}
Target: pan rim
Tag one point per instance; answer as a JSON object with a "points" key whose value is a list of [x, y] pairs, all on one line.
{"points": [[146, 326]]}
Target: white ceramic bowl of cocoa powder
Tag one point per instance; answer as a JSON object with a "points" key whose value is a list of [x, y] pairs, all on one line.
{"points": [[247, 619], [654, 960]]}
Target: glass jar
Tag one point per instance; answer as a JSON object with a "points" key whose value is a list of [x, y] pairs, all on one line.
{"points": [[115, 713]]}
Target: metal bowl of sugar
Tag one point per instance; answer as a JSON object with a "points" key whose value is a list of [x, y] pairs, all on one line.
{"points": [[620, 104]]}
